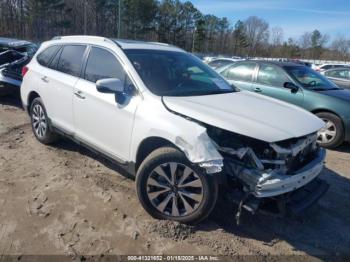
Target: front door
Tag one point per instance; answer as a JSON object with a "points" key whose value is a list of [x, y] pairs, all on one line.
{"points": [[99, 120], [270, 82]]}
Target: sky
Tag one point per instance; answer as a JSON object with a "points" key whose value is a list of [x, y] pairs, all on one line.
{"points": [[294, 16]]}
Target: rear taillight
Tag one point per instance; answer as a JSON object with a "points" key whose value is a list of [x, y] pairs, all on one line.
{"points": [[24, 70]]}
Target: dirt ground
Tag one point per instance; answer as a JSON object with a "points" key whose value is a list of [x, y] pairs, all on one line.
{"points": [[65, 200]]}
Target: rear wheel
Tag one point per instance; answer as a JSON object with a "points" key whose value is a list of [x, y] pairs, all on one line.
{"points": [[170, 187], [40, 123], [332, 135]]}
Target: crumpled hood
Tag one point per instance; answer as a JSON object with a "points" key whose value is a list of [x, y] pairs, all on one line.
{"points": [[248, 114]]}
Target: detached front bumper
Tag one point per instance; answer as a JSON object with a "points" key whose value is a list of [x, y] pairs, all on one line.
{"points": [[284, 194], [281, 184]]}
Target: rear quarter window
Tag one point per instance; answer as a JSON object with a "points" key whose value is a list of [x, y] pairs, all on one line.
{"points": [[240, 72], [45, 56]]}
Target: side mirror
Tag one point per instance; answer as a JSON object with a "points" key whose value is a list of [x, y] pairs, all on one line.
{"points": [[110, 86], [291, 86]]}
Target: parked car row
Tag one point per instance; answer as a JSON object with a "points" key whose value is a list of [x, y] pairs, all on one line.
{"points": [[301, 86], [178, 126], [14, 55]]}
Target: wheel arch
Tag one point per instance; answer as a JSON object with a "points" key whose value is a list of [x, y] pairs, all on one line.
{"points": [[321, 110], [148, 145], [32, 95]]}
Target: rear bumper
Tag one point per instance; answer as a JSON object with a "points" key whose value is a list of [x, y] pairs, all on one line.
{"points": [[8, 85], [10, 81]]}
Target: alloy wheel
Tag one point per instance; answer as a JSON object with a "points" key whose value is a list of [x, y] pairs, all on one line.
{"points": [[174, 189], [328, 133], [39, 121]]}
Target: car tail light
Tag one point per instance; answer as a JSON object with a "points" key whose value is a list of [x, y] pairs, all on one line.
{"points": [[24, 70]]}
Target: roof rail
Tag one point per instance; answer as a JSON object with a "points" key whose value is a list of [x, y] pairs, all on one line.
{"points": [[159, 43], [83, 37]]}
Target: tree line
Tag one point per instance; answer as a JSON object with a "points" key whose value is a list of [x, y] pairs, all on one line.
{"points": [[169, 21]]}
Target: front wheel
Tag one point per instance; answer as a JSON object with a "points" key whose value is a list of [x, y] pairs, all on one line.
{"points": [[170, 187], [332, 135]]}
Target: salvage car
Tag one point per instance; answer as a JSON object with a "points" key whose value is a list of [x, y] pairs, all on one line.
{"points": [[14, 55], [176, 125], [299, 85]]}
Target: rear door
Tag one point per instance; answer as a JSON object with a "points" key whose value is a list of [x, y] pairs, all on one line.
{"points": [[99, 120], [240, 75], [270, 81], [60, 78]]}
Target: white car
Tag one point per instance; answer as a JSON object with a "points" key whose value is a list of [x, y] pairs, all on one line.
{"points": [[175, 124]]}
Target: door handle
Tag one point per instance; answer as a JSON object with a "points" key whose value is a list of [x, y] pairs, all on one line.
{"points": [[257, 90], [45, 79], [79, 94]]}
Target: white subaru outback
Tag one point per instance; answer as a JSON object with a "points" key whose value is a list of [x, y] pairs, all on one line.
{"points": [[176, 125]]}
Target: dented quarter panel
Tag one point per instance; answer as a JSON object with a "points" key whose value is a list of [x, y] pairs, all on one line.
{"points": [[187, 135]]}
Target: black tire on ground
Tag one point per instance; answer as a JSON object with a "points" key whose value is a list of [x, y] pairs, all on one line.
{"points": [[166, 155], [47, 136], [339, 137]]}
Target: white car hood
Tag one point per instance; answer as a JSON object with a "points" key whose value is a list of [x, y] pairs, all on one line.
{"points": [[248, 114]]}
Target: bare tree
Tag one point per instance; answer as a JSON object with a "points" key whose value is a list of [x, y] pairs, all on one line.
{"points": [[257, 32], [277, 35], [341, 46], [305, 40]]}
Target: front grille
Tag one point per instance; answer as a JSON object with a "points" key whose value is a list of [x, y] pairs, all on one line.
{"points": [[304, 157]]}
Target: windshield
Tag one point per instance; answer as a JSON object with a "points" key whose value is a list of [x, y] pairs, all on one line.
{"points": [[310, 79], [168, 73]]}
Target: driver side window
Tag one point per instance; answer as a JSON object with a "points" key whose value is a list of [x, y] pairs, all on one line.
{"points": [[102, 64], [272, 76]]}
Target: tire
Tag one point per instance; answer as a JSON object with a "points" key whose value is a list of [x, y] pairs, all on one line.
{"points": [[40, 123], [332, 135], [188, 210]]}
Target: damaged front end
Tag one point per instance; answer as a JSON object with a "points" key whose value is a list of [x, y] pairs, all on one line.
{"points": [[260, 173]]}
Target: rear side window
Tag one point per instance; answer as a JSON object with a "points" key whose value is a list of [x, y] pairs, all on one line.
{"points": [[54, 62], [339, 73], [71, 59], [240, 72], [102, 64], [272, 76], [326, 67], [45, 56]]}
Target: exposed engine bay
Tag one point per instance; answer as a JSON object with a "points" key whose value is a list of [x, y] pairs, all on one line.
{"points": [[268, 169]]}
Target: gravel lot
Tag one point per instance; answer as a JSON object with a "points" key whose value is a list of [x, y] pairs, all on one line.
{"points": [[66, 200]]}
